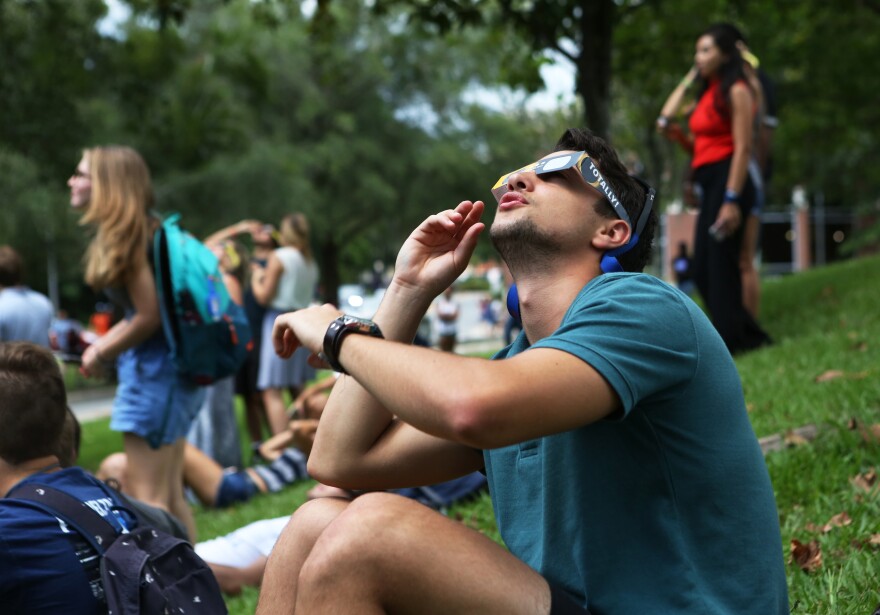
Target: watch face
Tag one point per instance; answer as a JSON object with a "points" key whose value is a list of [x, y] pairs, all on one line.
{"points": [[358, 324]]}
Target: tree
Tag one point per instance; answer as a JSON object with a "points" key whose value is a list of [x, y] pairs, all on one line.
{"points": [[40, 84], [582, 32], [335, 116], [50, 54]]}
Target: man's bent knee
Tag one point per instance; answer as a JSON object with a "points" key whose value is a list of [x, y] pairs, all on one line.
{"points": [[362, 533], [313, 517]]}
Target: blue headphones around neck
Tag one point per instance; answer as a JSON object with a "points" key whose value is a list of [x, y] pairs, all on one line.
{"points": [[609, 263]]}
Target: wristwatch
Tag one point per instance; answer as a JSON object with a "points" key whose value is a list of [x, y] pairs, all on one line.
{"points": [[341, 327]]}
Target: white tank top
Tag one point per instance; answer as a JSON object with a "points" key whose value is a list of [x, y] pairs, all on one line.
{"points": [[296, 286]]}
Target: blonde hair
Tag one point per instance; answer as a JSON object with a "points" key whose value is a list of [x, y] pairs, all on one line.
{"points": [[295, 233], [121, 197]]}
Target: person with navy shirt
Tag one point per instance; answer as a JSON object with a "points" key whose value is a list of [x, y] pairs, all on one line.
{"points": [[623, 471], [45, 566]]}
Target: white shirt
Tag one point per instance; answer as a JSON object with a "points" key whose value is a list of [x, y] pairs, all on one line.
{"points": [[296, 286]]}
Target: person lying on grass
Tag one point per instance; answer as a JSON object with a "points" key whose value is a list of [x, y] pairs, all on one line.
{"points": [[216, 487]]}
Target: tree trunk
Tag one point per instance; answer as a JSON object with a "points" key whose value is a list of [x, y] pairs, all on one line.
{"points": [[329, 261], [594, 63]]}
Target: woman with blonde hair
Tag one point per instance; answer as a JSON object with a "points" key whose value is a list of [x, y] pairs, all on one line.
{"points": [[153, 406], [286, 284]]}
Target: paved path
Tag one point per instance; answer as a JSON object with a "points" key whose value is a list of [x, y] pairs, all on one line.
{"points": [[91, 404]]}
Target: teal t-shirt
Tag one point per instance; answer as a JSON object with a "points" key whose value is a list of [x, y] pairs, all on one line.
{"points": [[665, 507]]}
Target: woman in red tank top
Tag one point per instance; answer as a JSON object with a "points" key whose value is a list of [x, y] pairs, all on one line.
{"points": [[720, 139]]}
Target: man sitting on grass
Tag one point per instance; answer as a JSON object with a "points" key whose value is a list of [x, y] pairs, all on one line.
{"points": [[44, 567], [624, 472]]}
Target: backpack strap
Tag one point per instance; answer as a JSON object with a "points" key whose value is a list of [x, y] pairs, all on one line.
{"points": [[93, 527]]}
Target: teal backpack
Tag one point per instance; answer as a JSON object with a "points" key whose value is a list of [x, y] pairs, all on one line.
{"points": [[207, 332]]}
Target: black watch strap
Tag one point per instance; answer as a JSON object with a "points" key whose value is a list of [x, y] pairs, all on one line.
{"points": [[341, 327]]}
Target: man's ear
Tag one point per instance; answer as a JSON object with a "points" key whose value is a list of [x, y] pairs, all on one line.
{"points": [[612, 234]]}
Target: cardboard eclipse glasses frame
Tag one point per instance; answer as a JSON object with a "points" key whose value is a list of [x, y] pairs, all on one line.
{"points": [[591, 174]]}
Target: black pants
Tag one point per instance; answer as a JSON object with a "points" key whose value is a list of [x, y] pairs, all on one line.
{"points": [[716, 263]]}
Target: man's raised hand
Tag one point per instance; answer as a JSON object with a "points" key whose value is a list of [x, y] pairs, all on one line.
{"points": [[302, 328], [438, 251]]}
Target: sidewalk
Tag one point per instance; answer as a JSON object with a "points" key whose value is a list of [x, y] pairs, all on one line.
{"points": [[91, 404]]}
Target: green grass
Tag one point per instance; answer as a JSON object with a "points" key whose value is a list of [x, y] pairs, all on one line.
{"points": [[822, 320]]}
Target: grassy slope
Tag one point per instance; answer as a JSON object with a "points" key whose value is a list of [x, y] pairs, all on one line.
{"points": [[821, 320]]}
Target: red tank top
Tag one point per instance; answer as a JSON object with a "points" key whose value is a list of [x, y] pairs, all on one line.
{"points": [[713, 133]]}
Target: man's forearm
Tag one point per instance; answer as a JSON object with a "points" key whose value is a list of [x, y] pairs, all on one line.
{"points": [[360, 441], [353, 419]]}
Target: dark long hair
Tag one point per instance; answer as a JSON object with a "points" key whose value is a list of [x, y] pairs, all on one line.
{"points": [[731, 69]]}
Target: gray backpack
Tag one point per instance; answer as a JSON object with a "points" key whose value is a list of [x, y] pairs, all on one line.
{"points": [[143, 571]]}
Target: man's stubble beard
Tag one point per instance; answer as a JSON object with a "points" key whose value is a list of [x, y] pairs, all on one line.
{"points": [[524, 247]]}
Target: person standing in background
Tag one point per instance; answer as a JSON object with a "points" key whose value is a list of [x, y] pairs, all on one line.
{"points": [[681, 266], [721, 126], [154, 406], [215, 428], [265, 240], [25, 314], [286, 284], [760, 168], [447, 321]]}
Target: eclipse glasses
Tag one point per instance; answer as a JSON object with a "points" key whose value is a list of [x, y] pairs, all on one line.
{"points": [[593, 176]]}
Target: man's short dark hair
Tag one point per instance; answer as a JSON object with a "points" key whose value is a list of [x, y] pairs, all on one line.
{"points": [[628, 190], [33, 402], [11, 267]]}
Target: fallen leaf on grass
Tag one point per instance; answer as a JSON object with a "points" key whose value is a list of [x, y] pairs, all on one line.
{"points": [[794, 439], [860, 347], [808, 556], [750, 407], [870, 434], [838, 520], [831, 374], [872, 542], [865, 481], [834, 374]]}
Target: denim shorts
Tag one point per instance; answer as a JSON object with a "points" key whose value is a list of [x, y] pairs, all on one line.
{"points": [[152, 401]]}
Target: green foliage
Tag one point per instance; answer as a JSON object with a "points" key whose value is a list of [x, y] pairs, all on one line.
{"points": [[370, 116], [47, 48]]}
